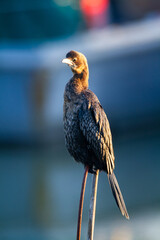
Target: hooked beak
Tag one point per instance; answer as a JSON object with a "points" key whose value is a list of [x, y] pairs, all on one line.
{"points": [[68, 61]]}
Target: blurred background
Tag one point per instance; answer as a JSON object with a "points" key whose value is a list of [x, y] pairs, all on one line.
{"points": [[39, 182]]}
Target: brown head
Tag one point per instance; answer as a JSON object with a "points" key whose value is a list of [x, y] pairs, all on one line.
{"points": [[78, 64]]}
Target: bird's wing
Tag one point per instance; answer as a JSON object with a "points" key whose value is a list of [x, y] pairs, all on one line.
{"points": [[96, 129]]}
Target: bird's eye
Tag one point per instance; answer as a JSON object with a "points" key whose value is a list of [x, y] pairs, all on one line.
{"points": [[74, 59]]}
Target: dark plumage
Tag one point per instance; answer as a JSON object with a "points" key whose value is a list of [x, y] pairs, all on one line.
{"points": [[86, 128]]}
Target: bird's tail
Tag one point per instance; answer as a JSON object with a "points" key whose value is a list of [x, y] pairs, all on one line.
{"points": [[117, 194]]}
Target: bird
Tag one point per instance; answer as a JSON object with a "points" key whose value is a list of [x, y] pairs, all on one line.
{"points": [[87, 130]]}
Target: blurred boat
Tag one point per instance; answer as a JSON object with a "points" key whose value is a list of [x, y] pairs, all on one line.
{"points": [[124, 73]]}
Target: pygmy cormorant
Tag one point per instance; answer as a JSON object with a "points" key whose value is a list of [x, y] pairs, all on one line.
{"points": [[86, 127]]}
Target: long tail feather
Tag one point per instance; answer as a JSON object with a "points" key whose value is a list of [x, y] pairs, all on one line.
{"points": [[117, 194]]}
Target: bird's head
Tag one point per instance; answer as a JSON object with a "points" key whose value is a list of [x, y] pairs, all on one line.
{"points": [[77, 62]]}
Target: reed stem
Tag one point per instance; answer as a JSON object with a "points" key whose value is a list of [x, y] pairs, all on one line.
{"points": [[92, 207], [81, 203]]}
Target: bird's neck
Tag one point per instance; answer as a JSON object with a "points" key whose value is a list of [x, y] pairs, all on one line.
{"points": [[79, 81]]}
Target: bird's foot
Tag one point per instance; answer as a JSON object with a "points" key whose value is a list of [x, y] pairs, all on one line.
{"points": [[92, 170]]}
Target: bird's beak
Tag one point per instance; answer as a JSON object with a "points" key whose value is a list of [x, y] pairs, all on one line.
{"points": [[68, 61]]}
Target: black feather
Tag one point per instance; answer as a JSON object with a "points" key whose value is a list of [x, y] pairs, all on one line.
{"points": [[117, 194], [95, 127]]}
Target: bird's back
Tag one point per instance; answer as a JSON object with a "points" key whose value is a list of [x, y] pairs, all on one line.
{"points": [[96, 129], [87, 131]]}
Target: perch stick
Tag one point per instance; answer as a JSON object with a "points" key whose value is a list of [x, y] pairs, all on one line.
{"points": [[81, 203], [92, 208]]}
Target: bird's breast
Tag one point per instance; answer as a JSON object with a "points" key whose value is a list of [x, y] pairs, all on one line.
{"points": [[74, 139]]}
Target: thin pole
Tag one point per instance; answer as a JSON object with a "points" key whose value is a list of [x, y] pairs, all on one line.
{"points": [[81, 203], [92, 207]]}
